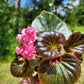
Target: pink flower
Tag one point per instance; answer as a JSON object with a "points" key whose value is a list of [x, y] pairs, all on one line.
{"points": [[27, 39], [30, 31], [19, 50], [28, 35], [27, 50]]}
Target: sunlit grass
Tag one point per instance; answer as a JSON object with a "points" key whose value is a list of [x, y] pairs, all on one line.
{"points": [[78, 28], [5, 75], [81, 79]]}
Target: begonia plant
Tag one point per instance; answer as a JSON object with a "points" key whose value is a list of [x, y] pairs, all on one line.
{"points": [[49, 48]]}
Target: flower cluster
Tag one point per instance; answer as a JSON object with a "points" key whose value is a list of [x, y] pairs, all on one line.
{"points": [[27, 39]]}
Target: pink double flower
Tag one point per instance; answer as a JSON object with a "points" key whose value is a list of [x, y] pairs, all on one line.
{"points": [[27, 39]]}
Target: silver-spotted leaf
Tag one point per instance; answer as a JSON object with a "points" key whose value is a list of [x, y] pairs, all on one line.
{"points": [[47, 21], [49, 44], [65, 72]]}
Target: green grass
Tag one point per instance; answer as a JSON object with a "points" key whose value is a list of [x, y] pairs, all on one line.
{"points": [[79, 28], [81, 79], [5, 75]]}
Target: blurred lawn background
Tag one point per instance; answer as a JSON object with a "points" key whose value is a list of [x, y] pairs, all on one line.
{"points": [[18, 14]]}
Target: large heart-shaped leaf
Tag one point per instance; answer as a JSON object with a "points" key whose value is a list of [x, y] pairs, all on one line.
{"points": [[47, 21], [65, 72], [49, 44]]}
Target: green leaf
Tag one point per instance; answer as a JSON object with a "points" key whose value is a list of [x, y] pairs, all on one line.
{"points": [[65, 72], [75, 43], [49, 44], [47, 21], [20, 67]]}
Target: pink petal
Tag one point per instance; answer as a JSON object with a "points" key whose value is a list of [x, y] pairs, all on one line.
{"points": [[18, 37], [17, 50], [30, 31], [23, 30]]}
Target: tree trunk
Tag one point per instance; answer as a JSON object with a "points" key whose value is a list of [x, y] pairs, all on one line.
{"points": [[18, 16]]}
